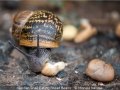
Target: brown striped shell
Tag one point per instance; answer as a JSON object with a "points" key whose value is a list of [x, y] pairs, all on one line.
{"points": [[27, 25]]}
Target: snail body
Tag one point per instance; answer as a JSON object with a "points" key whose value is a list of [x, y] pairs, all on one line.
{"points": [[37, 32]]}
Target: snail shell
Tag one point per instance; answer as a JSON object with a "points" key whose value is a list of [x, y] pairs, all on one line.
{"points": [[27, 25]]}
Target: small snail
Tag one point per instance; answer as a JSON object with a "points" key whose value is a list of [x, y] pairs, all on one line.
{"points": [[37, 32]]}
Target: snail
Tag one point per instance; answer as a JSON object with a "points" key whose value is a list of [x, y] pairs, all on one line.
{"points": [[37, 32]]}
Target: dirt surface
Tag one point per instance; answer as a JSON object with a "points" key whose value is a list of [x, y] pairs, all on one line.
{"points": [[14, 74], [73, 76]]}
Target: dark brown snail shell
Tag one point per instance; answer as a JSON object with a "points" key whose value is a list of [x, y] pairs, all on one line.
{"points": [[27, 25]]}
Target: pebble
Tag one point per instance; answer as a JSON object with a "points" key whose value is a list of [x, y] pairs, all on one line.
{"points": [[69, 32], [59, 79], [80, 68], [100, 70], [61, 74], [4, 68], [100, 84], [76, 72]]}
